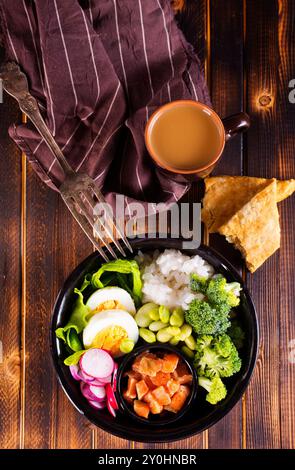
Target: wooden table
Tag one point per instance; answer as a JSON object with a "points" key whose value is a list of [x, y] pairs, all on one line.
{"points": [[246, 48]]}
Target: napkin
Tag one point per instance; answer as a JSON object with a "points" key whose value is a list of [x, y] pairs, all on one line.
{"points": [[99, 68]]}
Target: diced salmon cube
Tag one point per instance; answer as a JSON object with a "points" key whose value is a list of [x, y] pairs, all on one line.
{"points": [[133, 374], [178, 399], [127, 398], [156, 408], [170, 362], [148, 381], [141, 409], [141, 389], [185, 379], [181, 369], [160, 379], [148, 398], [131, 388], [172, 386], [161, 396], [149, 366]]}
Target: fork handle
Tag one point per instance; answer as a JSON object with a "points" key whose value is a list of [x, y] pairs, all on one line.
{"points": [[29, 106]]}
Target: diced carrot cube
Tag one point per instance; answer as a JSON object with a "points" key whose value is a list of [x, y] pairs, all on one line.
{"points": [[172, 386], [161, 395], [155, 407], [131, 389], [141, 389], [170, 362], [141, 409], [161, 378], [178, 399]]}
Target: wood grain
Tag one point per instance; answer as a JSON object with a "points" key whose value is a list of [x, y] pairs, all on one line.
{"points": [[270, 153], [226, 86], [10, 285]]}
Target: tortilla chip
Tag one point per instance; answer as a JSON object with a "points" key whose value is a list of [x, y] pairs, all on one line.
{"points": [[225, 195], [255, 228]]}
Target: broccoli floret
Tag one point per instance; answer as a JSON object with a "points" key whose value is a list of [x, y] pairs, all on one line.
{"points": [[219, 292], [198, 283], [217, 357], [215, 388], [237, 334], [206, 319]]}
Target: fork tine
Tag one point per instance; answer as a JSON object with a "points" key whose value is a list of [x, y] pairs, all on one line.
{"points": [[106, 226], [91, 221], [101, 198], [81, 221]]}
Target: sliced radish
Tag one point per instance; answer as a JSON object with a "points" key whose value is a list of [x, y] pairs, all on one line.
{"points": [[97, 363], [98, 392], [114, 380], [111, 399], [111, 409], [106, 380], [85, 390], [85, 377], [74, 369], [98, 383], [99, 405]]}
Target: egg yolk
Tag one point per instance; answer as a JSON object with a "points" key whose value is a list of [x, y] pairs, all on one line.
{"points": [[107, 305], [110, 339]]}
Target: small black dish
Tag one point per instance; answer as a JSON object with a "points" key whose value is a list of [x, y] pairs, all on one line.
{"points": [[202, 415], [165, 418]]}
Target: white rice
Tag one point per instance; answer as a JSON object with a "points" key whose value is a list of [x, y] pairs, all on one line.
{"points": [[166, 277]]}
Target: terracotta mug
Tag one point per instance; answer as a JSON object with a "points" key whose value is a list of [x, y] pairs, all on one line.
{"points": [[227, 128]]}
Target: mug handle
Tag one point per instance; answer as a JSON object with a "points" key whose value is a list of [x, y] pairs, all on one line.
{"points": [[235, 124]]}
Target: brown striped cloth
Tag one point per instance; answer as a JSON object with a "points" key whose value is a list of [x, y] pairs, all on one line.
{"points": [[99, 68]]}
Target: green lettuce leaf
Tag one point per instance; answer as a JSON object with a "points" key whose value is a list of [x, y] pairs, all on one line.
{"points": [[122, 266], [76, 324], [74, 358]]}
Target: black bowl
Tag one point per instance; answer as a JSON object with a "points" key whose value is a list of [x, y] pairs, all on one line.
{"points": [[165, 418], [202, 415]]}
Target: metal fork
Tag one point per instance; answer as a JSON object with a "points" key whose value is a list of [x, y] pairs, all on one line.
{"points": [[79, 192]]}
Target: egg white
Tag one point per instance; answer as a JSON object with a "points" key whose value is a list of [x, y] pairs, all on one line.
{"points": [[111, 293]]}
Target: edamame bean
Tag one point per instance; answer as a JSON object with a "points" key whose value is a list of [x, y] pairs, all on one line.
{"points": [[174, 341], [190, 342], [157, 325], [173, 330], [163, 336], [126, 345], [164, 314], [147, 335], [154, 314], [142, 317], [187, 352], [185, 331], [177, 317]]}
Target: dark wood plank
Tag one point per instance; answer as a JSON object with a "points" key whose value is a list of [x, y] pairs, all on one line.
{"points": [[10, 278], [55, 245], [227, 98], [270, 63]]}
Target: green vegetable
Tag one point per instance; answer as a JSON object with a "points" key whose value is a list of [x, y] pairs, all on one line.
{"points": [[237, 334], [121, 266], [157, 325], [154, 314], [164, 314], [76, 324], [206, 319], [174, 340], [126, 345], [147, 335], [177, 317], [220, 292], [188, 352], [190, 342], [215, 388], [142, 316], [163, 336], [173, 330], [198, 283], [185, 331], [74, 358], [216, 356]]}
